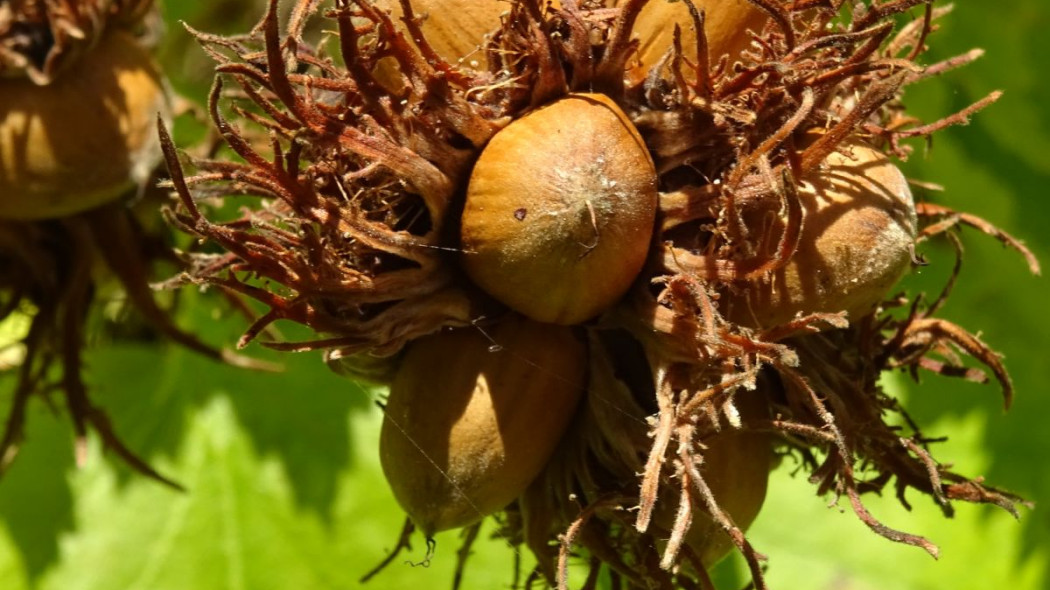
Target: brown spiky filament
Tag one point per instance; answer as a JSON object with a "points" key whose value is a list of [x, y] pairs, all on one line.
{"points": [[50, 276]]}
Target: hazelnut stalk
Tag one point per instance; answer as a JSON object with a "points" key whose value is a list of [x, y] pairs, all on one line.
{"points": [[780, 226]]}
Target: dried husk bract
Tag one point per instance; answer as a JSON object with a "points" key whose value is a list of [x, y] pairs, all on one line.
{"points": [[598, 466]]}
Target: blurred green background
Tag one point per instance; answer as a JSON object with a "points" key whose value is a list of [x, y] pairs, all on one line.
{"points": [[284, 484]]}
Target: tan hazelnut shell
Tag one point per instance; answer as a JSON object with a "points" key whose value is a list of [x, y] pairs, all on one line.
{"points": [[726, 27], [736, 468], [560, 210], [471, 421], [858, 232], [84, 139], [456, 29]]}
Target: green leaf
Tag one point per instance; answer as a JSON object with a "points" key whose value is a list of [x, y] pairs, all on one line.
{"points": [[995, 168], [283, 487]]}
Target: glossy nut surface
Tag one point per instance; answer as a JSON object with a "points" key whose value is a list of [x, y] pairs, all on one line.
{"points": [[726, 30], [471, 421], [457, 29], [560, 209], [84, 139]]}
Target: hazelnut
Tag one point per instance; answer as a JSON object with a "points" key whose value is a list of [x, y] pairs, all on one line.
{"points": [[471, 420], [454, 29], [457, 29], [726, 26], [84, 139], [858, 230], [736, 468], [560, 209]]}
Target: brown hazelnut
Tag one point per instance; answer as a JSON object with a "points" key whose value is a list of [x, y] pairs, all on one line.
{"points": [[858, 229], [560, 210], [84, 139], [474, 416]]}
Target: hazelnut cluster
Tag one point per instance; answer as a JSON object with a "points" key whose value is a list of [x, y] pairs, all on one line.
{"points": [[609, 256]]}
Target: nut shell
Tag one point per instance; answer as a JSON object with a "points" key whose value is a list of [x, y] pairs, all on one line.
{"points": [[726, 27], [456, 29], [736, 466], [560, 210], [469, 426], [858, 231], [86, 138]]}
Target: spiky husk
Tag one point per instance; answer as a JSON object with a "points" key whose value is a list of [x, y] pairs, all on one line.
{"points": [[53, 269], [356, 184], [39, 38], [50, 276]]}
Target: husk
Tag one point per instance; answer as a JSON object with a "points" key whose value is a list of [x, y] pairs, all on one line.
{"points": [[40, 38]]}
